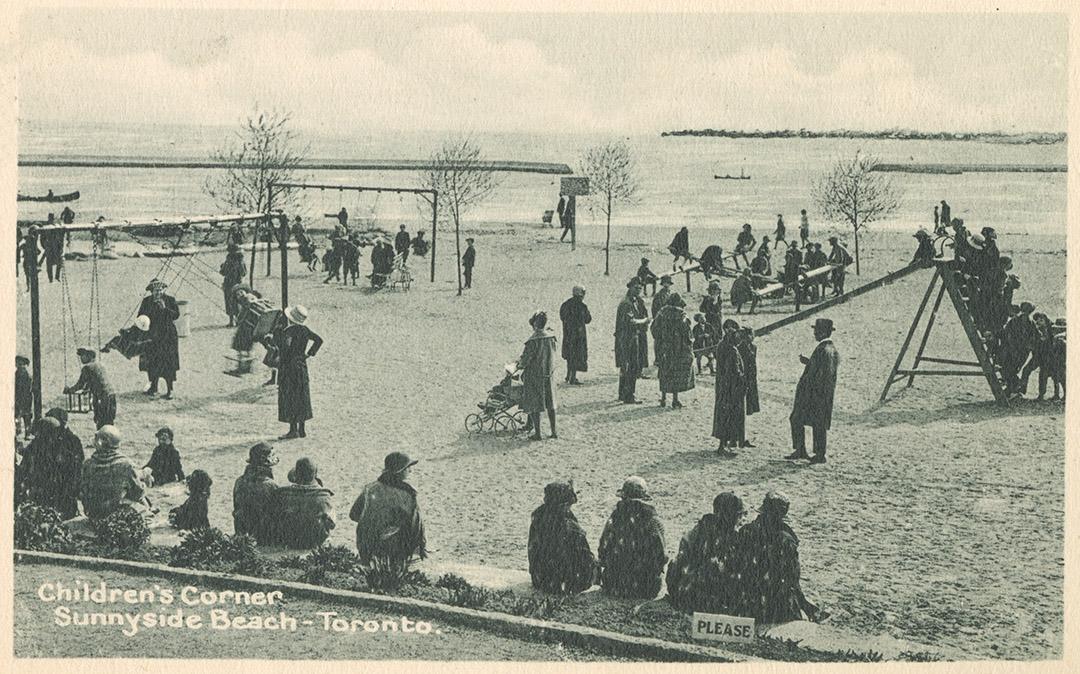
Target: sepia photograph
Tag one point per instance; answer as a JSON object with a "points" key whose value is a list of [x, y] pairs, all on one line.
{"points": [[538, 334]]}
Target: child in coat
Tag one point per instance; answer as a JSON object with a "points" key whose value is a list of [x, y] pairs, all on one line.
{"points": [[192, 513]]}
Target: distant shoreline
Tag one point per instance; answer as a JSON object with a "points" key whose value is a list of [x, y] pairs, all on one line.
{"points": [[1029, 138]]}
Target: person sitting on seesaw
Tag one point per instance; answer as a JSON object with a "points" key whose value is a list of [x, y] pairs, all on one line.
{"points": [[646, 276]]}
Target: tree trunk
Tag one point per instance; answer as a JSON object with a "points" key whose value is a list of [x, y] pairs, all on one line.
{"points": [[457, 245], [856, 252], [607, 242]]}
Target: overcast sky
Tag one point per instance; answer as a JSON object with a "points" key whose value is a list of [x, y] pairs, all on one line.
{"points": [[552, 72]]}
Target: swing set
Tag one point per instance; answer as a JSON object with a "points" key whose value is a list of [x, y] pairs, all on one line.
{"points": [[429, 195], [80, 402]]}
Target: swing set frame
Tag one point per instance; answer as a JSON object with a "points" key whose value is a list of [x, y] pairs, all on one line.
{"points": [[360, 189], [34, 234]]}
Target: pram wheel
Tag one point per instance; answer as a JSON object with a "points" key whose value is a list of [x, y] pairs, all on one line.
{"points": [[520, 420], [474, 423]]}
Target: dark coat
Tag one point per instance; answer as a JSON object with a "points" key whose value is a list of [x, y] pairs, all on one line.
{"points": [[705, 575], [388, 521], [560, 560], [748, 353], [164, 465], [674, 350], [192, 513], [742, 291], [51, 469], [574, 314], [401, 241], [537, 363], [468, 258], [294, 392], [729, 408], [253, 495], [713, 308], [680, 245], [24, 393], [627, 351], [770, 568], [631, 551], [814, 393], [162, 356], [659, 300], [303, 515]]}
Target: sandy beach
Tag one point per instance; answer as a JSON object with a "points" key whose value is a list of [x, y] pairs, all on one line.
{"points": [[956, 502]]}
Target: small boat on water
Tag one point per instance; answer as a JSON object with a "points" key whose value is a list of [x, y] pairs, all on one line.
{"points": [[742, 176], [50, 198]]}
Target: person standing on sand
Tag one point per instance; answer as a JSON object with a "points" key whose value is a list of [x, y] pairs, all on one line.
{"points": [[94, 379], [575, 315], [946, 214], [537, 362], [630, 318], [232, 271], [161, 360], [748, 353], [468, 261], [401, 243], [804, 227], [840, 257], [674, 350], [814, 395], [294, 392], [781, 231], [729, 406]]}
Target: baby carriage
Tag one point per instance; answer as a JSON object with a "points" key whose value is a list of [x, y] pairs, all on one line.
{"points": [[399, 277], [499, 410]]}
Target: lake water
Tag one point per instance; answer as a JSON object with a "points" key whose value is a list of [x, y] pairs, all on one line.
{"points": [[676, 177]]}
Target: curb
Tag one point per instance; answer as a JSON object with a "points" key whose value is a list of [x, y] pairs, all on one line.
{"points": [[529, 629]]}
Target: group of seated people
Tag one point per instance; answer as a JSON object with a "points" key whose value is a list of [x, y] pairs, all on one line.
{"points": [[750, 571], [1019, 339]]}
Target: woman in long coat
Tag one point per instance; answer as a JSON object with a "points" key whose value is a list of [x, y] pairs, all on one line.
{"points": [[537, 363], [294, 392], [729, 410], [674, 350], [575, 315], [161, 359]]}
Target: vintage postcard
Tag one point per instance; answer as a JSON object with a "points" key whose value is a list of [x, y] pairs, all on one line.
{"points": [[560, 335]]}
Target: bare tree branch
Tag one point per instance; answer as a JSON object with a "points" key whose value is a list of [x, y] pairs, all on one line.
{"points": [[613, 179]]}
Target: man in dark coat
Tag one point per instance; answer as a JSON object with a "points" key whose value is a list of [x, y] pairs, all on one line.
{"points": [[770, 567], [468, 261], [1018, 338], [69, 469], [161, 359], [631, 551], [387, 516], [814, 395], [574, 314], [840, 257], [232, 271], [53, 244], [729, 407], [705, 576], [680, 247], [560, 560], [630, 319], [401, 243], [945, 214], [294, 391], [253, 494]]}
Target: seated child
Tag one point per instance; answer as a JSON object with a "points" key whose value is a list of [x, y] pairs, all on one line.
{"points": [[703, 342], [164, 463], [646, 276], [131, 341], [192, 513]]}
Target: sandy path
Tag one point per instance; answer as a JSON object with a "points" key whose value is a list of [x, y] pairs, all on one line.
{"points": [[939, 517]]}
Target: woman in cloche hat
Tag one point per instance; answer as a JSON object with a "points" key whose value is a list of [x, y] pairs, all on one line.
{"points": [[294, 392]]}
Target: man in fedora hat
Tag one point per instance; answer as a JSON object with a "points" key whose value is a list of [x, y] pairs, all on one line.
{"points": [[232, 271], [631, 318], [161, 358], [94, 379], [253, 495], [294, 390], [468, 261], [388, 523], [631, 551], [560, 560], [303, 512], [109, 480], [814, 395]]}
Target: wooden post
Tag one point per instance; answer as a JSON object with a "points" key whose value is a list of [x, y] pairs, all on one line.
{"points": [[926, 335], [911, 333], [35, 318], [269, 227], [284, 260], [687, 280], [434, 227], [254, 240]]}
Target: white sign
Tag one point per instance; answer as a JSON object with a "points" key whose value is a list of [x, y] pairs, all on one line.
{"points": [[715, 627]]}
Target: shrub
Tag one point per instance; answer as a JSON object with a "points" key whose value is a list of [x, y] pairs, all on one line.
{"points": [[327, 559], [39, 527], [384, 574], [536, 606], [452, 582], [122, 529], [212, 550], [463, 593]]}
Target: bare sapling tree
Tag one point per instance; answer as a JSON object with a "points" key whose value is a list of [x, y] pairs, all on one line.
{"points": [[854, 194], [463, 178], [263, 151], [613, 180]]}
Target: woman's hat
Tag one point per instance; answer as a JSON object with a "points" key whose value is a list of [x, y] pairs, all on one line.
{"points": [[635, 487], [262, 454], [58, 413], [727, 504], [731, 324], [107, 436], [922, 233], [775, 504], [538, 317], [83, 351], [156, 283], [142, 322], [297, 313], [989, 233], [396, 462], [558, 493], [303, 472], [666, 281], [633, 283]]}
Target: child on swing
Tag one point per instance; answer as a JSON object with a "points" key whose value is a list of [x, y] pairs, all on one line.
{"points": [[131, 341]]}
